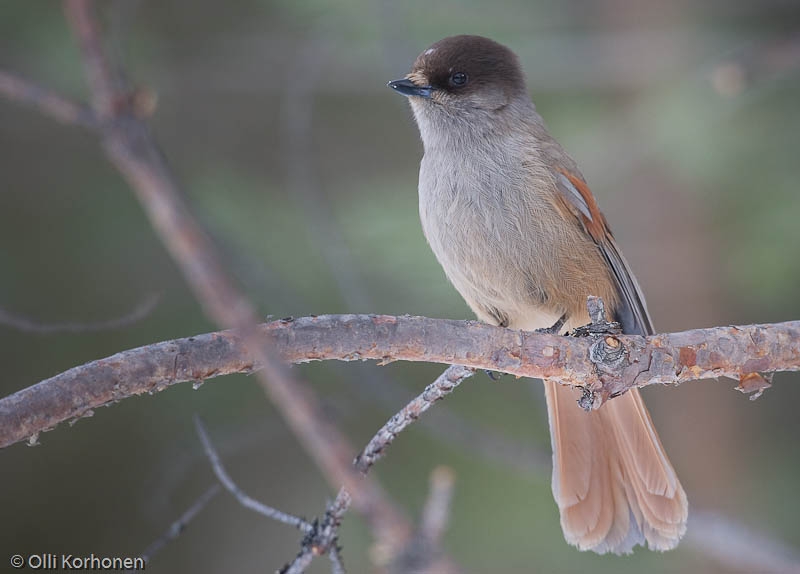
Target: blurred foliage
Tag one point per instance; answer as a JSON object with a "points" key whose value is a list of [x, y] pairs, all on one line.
{"points": [[684, 117]]}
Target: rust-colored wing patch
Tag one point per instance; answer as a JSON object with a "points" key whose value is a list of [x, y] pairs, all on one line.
{"points": [[578, 199], [591, 216]]}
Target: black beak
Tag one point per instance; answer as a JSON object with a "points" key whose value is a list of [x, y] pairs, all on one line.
{"points": [[409, 88]]}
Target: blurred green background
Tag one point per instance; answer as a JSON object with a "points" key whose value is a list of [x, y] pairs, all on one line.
{"points": [[683, 115]]}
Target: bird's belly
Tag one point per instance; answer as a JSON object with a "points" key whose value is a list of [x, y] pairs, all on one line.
{"points": [[485, 252]]}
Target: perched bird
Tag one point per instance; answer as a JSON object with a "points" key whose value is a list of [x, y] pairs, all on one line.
{"points": [[515, 227]]}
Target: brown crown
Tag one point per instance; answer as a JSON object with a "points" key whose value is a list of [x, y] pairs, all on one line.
{"points": [[484, 61]]}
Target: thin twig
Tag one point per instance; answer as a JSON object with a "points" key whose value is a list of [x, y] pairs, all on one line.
{"points": [[56, 106], [454, 429], [237, 492], [423, 554], [98, 71], [28, 325], [337, 566], [444, 384], [177, 527], [436, 512], [323, 539]]}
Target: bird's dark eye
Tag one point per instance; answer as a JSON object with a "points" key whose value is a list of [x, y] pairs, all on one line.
{"points": [[458, 79]]}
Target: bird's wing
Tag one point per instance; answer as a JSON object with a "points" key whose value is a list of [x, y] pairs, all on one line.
{"points": [[578, 199]]}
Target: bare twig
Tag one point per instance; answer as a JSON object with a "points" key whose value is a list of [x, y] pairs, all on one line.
{"points": [[436, 511], [423, 554], [672, 358], [177, 527], [58, 107], [98, 71], [337, 566], [323, 539], [445, 384], [320, 536], [454, 429], [237, 492], [28, 325]]}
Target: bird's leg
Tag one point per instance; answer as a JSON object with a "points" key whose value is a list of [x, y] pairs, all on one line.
{"points": [[551, 330], [600, 324], [494, 375], [554, 328]]}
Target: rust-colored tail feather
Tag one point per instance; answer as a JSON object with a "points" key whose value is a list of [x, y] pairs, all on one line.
{"points": [[612, 480]]}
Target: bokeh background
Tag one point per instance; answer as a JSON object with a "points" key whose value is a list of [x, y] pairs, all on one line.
{"points": [[683, 115]]}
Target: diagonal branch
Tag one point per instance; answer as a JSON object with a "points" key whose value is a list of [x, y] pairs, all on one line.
{"points": [[60, 108], [130, 147], [444, 384], [670, 358], [179, 526]]}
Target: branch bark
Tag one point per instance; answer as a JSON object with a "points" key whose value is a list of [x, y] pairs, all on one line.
{"points": [[670, 358]]}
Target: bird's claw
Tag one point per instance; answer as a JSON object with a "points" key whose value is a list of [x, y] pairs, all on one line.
{"points": [[554, 328], [494, 375]]}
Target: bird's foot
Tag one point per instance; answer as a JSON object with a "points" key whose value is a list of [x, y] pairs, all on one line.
{"points": [[494, 375], [554, 328]]}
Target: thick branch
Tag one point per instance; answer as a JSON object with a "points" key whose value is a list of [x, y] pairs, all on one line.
{"points": [[670, 358]]}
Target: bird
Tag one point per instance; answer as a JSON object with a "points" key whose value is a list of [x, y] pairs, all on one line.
{"points": [[520, 236]]}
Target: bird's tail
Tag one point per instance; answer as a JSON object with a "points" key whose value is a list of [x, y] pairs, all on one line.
{"points": [[612, 480]]}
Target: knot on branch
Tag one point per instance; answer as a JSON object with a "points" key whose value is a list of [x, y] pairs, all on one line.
{"points": [[608, 355], [322, 536]]}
